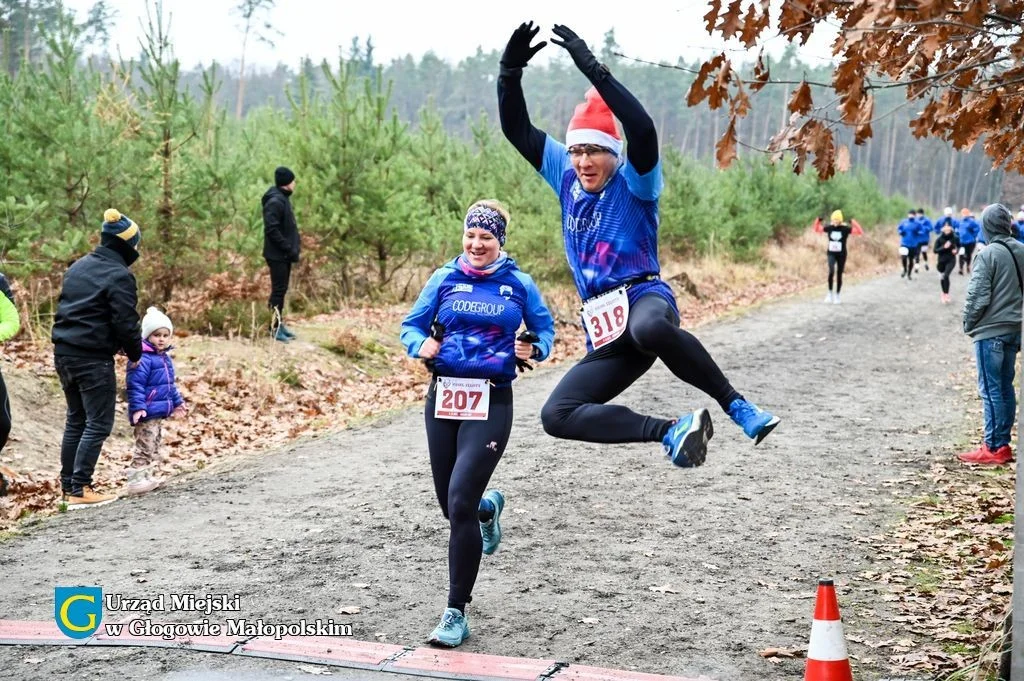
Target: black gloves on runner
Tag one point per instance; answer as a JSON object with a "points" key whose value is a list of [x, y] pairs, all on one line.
{"points": [[437, 333], [518, 51], [577, 48], [527, 337]]}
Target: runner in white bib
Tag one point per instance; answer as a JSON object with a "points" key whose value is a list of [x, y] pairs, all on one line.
{"points": [[609, 195], [837, 232], [465, 323]]}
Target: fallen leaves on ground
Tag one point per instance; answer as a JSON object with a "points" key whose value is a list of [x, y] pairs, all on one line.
{"points": [[952, 585]]}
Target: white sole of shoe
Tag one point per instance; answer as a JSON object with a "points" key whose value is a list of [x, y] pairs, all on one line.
{"points": [[75, 507]]}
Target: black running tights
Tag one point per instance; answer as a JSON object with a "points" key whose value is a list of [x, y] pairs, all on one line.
{"points": [[577, 409], [836, 265], [463, 455], [946, 266], [5, 414]]}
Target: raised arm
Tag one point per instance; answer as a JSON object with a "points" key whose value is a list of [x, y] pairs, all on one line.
{"points": [[515, 120], [641, 135]]}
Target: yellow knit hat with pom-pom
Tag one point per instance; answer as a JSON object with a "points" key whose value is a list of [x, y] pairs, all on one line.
{"points": [[837, 216], [121, 226]]}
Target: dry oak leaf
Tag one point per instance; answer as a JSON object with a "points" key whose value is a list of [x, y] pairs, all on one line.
{"points": [[800, 102]]}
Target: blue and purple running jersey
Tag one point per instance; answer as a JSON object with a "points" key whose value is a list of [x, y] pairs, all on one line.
{"points": [[611, 237]]}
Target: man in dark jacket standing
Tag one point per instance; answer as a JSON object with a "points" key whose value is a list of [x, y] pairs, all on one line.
{"points": [[96, 318], [280, 246]]}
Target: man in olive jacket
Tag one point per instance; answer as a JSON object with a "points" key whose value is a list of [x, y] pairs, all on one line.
{"points": [[992, 318], [96, 318], [280, 246]]}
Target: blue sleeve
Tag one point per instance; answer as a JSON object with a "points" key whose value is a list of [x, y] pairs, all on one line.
{"points": [[135, 385], [416, 325], [176, 397], [646, 187], [554, 163], [536, 315]]}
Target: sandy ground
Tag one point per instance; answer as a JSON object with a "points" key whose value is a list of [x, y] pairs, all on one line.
{"points": [[612, 557]]}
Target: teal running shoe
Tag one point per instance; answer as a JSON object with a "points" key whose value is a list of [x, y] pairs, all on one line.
{"points": [[686, 442], [755, 422], [490, 531], [452, 631]]}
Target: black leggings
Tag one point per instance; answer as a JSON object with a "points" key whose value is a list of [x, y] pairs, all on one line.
{"points": [[908, 261], [5, 414], [965, 257], [945, 266], [280, 273], [463, 455], [576, 409], [836, 264]]}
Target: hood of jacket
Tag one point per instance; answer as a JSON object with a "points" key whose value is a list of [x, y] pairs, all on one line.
{"points": [[996, 221], [275, 193]]}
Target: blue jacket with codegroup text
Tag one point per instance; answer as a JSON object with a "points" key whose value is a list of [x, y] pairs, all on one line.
{"points": [[481, 315]]}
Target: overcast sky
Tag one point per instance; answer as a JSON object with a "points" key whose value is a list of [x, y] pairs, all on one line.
{"points": [[207, 30]]}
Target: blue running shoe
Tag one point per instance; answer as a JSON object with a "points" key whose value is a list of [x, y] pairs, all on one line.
{"points": [[491, 530], [755, 422], [686, 442], [281, 336], [452, 631]]}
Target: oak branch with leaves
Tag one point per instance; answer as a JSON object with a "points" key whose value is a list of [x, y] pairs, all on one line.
{"points": [[964, 58]]}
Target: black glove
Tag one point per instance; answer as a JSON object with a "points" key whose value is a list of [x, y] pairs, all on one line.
{"points": [[526, 337], [518, 50], [577, 48], [294, 256], [437, 333]]}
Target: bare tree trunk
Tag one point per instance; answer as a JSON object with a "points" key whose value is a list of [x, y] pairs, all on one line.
{"points": [[948, 184], [765, 130], [27, 30], [934, 163], [891, 160], [1012, 192], [980, 173], [241, 76]]}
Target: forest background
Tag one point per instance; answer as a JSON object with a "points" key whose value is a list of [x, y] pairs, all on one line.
{"points": [[388, 157]]}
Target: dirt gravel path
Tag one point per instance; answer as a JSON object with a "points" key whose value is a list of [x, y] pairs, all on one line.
{"points": [[612, 557]]}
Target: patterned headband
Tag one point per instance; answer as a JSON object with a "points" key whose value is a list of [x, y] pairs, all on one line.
{"points": [[485, 217]]}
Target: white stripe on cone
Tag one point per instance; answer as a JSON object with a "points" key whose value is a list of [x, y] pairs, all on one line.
{"points": [[827, 642]]}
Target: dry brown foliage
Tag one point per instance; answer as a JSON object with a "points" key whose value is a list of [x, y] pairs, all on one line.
{"points": [[963, 57]]}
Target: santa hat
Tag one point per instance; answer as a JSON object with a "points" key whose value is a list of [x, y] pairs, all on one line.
{"points": [[592, 123]]}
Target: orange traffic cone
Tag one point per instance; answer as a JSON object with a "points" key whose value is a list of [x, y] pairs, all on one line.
{"points": [[826, 654]]}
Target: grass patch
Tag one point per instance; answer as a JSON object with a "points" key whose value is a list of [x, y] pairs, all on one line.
{"points": [[289, 375], [927, 579], [957, 648]]}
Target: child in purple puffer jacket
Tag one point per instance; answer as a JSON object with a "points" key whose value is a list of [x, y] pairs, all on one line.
{"points": [[152, 397]]}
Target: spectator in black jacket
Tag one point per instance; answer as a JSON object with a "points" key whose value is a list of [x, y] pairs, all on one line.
{"points": [[280, 246], [96, 318]]}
